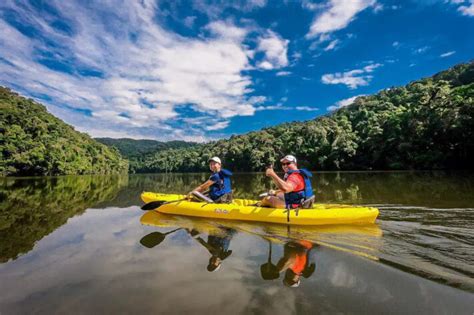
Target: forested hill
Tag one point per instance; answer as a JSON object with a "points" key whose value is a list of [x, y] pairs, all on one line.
{"points": [[131, 148], [136, 150], [34, 142], [427, 124]]}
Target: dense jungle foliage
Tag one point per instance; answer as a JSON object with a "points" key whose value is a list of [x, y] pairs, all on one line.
{"points": [[34, 142], [134, 150], [427, 124]]}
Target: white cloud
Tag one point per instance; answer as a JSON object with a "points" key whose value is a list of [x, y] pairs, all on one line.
{"points": [[353, 78], [266, 65], [281, 107], [283, 73], [306, 108], [447, 54], [467, 7], [421, 50], [378, 7], [467, 10], [343, 103], [218, 125], [275, 50], [273, 107], [227, 30], [143, 79], [396, 44], [332, 45], [336, 15]]}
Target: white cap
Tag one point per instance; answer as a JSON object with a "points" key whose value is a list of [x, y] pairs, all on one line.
{"points": [[215, 159], [289, 158]]}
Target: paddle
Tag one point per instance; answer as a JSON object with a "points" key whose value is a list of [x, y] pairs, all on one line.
{"points": [[155, 238], [269, 271], [158, 203]]}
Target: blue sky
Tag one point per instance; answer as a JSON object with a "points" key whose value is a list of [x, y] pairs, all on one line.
{"points": [[203, 70]]}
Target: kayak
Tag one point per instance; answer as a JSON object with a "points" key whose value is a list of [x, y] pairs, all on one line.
{"points": [[246, 210]]}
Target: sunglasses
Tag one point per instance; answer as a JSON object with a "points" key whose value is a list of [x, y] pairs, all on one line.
{"points": [[286, 164]]}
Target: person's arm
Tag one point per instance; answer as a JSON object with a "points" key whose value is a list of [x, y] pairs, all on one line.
{"points": [[205, 186], [282, 185], [201, 188]]}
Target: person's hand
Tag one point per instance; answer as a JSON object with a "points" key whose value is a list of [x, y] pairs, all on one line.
{"points": [[270, 172], [272, 192]]}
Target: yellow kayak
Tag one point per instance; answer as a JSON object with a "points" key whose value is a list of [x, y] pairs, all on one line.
{"points": [[245, 210]]}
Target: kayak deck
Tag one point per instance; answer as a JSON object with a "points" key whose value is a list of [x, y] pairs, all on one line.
{"points": [[245, 210]]}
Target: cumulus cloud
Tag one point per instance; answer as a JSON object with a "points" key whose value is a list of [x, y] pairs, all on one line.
{"points": [[343, 103], [116, 63], [336, 15], [447, 54], [275, 50], [353, 78]]}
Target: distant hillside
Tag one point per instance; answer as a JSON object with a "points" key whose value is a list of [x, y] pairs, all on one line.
{"points": [[34, 142], [427, 124], [134, 150], [131, 147]]}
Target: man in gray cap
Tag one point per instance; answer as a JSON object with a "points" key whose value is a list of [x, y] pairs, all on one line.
{"points": [[294, 189]]}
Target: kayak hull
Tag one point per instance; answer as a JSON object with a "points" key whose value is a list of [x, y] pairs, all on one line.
{"points": [[245, 210]]}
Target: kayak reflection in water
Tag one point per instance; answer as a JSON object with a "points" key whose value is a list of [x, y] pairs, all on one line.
{"points": [[218, 246], [295, 261]]}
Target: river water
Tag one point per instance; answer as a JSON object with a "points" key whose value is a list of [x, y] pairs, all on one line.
{"points": [[81, 244]]}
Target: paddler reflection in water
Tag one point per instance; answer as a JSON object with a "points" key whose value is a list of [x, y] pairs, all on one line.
{"points": [[295, 263], [219, 184], [218, 246], [294, 190]]}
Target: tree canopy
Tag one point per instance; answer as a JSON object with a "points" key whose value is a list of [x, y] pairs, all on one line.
{"points": [[34, 142]]}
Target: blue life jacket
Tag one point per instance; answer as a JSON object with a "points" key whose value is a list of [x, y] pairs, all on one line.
{"points": [[222, 186], [297, 197]]}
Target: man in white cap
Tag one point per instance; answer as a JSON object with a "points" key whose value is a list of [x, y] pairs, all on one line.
{"points": [[294, 189], [219, 185]]}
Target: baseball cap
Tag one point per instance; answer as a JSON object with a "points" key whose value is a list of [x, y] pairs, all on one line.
{"points": [[289, 158], [215, 159]]}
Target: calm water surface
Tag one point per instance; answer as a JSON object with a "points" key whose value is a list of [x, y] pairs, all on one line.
{"points": [[81, 244]]}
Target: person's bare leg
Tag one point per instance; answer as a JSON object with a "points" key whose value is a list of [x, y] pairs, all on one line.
{"points": [[273, 202]]}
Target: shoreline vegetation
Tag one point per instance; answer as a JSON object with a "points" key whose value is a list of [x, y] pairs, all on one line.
{"points": [[425, 125]]}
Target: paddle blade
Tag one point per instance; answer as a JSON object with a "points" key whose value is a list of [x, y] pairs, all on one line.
{"points": [[269, 271], [152, 239], [152, 205]]}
